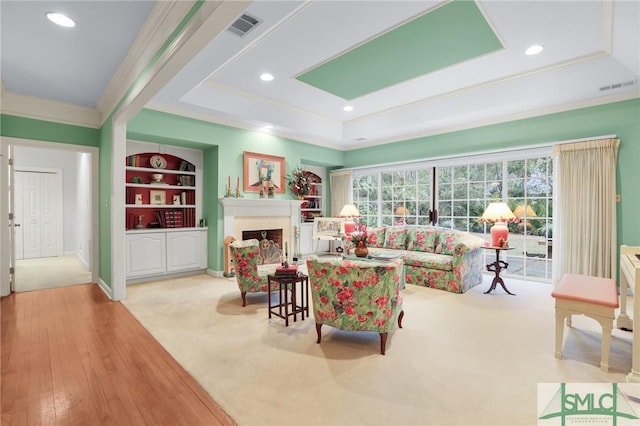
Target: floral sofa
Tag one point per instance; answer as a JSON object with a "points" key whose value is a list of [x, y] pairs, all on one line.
{"points": [[435, 257]]}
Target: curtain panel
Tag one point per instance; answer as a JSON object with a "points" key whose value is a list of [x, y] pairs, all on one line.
{"points": [[341, 191], [585, 226]]}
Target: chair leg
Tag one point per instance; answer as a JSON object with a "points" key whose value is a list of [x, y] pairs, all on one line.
{"points": [[244, 298], [400, 319], [318, 326], [383, 342]]}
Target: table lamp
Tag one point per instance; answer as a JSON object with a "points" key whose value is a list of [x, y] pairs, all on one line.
{"points": [[524, 212], [349, 211], [400, 214], [499, 214]]}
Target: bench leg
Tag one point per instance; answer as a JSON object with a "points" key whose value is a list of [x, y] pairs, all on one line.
{"points": [[607, 325], [561, 314]]}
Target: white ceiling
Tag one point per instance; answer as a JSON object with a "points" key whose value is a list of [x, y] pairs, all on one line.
{"points": [[588, 45]]}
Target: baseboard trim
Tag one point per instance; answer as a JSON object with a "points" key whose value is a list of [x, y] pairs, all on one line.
{"points": [[215, 274], [105, 288]]}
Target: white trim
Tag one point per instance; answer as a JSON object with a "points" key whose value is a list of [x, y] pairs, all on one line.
{"points": [[95, 196], [161, 22], [48, 110], [5, 278], [473, 157], [105, 289]]}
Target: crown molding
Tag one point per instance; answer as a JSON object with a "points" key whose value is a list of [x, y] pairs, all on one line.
{"points": [[44, 109], [163, 19], [635, 94], [215, 119]]}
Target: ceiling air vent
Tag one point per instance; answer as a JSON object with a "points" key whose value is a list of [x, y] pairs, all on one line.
{"points": [[243, 25], [618, 85]]}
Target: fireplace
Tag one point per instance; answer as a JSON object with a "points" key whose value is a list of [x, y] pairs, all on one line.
{"points": [[258, 214], [271, 247]]}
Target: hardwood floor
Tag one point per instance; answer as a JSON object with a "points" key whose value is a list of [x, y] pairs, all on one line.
{"points": [[70, 356]]}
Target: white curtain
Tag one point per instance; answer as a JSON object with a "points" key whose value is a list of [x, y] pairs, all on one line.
{"points": [[341, 192], [584, 229]]}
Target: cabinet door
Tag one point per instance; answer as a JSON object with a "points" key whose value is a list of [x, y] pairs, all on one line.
{"points": [[306, 235], [186, 250], [145, 254]]}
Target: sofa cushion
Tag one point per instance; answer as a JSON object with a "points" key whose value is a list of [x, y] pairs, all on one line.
{"points": [[375, 237], [441, 262], [396, 238], [449, 238], [423, 238]]}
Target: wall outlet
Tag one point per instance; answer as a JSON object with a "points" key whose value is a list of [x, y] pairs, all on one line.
{"points": [[618, 198]]}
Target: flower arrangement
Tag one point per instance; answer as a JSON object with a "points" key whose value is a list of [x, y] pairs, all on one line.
{"points": [[359, 238], [299, 182]]}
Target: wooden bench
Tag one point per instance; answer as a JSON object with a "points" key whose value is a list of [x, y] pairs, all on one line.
{"points": [[594, 297]]}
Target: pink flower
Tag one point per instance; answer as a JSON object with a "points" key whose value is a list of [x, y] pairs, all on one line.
{"points": [[324, 299], [349, 310]]}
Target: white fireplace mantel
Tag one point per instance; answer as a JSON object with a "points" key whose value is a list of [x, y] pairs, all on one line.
{"points": [[235, 209]]}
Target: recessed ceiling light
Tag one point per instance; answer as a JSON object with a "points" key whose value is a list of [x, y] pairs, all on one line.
{"points": [[266, 77], [267, 127], [348, 108], [533, 50], [60, 19]]}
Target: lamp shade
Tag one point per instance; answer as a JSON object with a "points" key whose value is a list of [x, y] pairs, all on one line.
{"points": [[522, 211], [498, 213], [401, 211], [349, 210]]}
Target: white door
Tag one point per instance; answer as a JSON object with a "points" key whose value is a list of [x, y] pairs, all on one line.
{"points": [[41, 221]]}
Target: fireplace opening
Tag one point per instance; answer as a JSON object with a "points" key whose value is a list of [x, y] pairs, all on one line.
{"points": [[270, 244]]}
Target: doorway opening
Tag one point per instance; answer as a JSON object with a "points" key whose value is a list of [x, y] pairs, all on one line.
{"points": [[54, 203]]}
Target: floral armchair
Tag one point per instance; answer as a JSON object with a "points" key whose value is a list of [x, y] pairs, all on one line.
{"points": [[357, 295], [245, 255]]}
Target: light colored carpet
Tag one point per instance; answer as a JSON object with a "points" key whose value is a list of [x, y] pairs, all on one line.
{"points": [[469, 359], [50, 272]]}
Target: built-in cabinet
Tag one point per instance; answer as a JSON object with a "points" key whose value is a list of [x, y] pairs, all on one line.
{"points": [[163, 208], [152, 253]]}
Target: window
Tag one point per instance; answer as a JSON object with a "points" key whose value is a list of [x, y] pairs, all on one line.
{"points": [[461, 191]]}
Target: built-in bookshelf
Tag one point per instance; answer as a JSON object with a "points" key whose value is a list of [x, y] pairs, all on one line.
{"points": [[160, 191], [313, 204]]}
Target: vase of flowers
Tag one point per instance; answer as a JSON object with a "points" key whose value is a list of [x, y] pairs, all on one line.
{"points": [[359, 240], [299, 182]]}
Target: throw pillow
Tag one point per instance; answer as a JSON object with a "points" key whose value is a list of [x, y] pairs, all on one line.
{"points": [[424, 239], [396, 238], [375, 237]]}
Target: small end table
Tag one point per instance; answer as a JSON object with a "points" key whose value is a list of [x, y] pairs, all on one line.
{"points": [[283, 300], [496, 267]]}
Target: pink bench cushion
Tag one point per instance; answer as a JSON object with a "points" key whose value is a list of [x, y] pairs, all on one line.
{"points": [[582, 288]]}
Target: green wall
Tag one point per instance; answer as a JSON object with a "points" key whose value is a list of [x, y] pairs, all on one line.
{"points": [[223, 148], [620, 118], [29, 128]]}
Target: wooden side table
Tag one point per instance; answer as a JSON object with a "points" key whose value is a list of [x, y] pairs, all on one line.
{"points": [[291, 307], [496, 267]]}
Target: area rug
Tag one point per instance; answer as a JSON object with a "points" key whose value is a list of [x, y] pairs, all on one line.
{"points": [[461, 359]]}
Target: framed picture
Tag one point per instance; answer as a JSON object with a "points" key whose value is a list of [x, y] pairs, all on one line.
{"points": [[157, 197], [263, 172], [176, 200], [328, 228]]}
